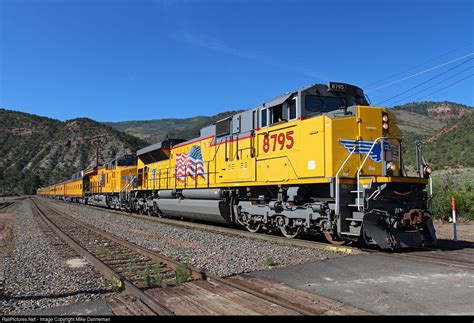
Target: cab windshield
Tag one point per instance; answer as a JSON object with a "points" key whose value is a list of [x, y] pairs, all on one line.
{"points": [[316, 103]]}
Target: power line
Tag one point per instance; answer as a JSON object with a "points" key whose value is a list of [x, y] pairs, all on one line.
{"points": [[429, 80], [448, 86], [419, 73], [437, 84], [415, 67]]}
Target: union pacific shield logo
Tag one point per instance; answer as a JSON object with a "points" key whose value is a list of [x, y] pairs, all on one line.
{"points": [[363, 147]]}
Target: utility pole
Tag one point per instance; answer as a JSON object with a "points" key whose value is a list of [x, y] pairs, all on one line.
{"points": [[2, 178], [96, 141], [97, 154]]}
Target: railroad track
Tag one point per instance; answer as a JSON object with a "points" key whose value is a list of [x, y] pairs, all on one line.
{"points": [[4, 205], [458, 258], [198, 293], [107, 255], [447, 254], [236, 232]]}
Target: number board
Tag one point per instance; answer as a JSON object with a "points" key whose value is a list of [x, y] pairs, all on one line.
{"points": [[278, 141], [337, 86]]}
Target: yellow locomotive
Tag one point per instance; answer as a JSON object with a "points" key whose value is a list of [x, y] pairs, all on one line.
{"points": [[109, 185], [316, 160]]}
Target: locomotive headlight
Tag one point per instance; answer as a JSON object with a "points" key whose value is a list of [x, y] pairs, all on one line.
{"points": [[385, 118], [392, 166], [393, 169], [427, 170], [385, 126]]}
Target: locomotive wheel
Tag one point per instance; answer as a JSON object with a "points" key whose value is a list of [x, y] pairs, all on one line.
{"points": [[156, 211], [253, 227], [290, 233], [332, 239]]}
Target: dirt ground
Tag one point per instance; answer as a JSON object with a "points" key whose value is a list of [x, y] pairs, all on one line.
{"points": [[465, 231]]}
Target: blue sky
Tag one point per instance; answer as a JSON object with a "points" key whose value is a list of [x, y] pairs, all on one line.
{"points": [[114, 60]]}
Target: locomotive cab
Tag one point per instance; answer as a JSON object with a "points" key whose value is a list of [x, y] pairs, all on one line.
{"points": [[335, 98]]}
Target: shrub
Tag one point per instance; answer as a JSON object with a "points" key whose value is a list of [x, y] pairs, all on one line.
{"points": [[441, 202]]}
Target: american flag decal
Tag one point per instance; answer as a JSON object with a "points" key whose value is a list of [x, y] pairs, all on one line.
{"points": [[190, 164]]}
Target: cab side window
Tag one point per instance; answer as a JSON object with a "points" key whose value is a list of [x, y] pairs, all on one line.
{"points": [[292, 109], [140, 177], [276, 113], [264, 113]]}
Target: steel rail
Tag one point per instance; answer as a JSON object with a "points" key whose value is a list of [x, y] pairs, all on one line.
{"points": [[423, 255], [434, 259], [241, 233], [281, 301], [5, 205], [294, 242], [109, 273], [234, 231], [193, 272]]}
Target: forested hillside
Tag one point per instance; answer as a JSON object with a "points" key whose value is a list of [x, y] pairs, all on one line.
{"points": [[37, 150], [445, 127], [156, 130]]}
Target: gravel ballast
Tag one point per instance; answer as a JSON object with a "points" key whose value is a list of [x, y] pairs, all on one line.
{"points": [[220, 254], [35, 275]]}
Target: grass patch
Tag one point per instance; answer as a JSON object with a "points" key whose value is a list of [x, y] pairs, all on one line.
{"points": [[181, 274], [152, 276], [104, 251], [132, 268], [147, 278], [268, 261], [158, 276]]}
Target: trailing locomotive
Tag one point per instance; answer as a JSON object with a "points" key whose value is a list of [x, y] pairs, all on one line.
{"points": [[317, 160]]}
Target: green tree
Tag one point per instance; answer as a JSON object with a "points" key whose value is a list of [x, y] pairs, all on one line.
{"points": [[31, 184]]}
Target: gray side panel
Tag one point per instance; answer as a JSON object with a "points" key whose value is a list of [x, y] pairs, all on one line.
{"points": [[246, 121], [208, 210], [208, 193], [208, 131], [166, 194], [236, 123]]}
